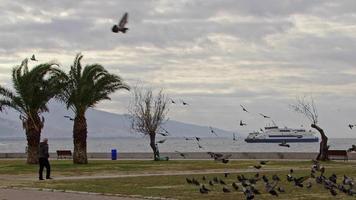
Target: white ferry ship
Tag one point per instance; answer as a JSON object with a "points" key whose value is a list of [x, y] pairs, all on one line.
{"points": [[274, 134]]}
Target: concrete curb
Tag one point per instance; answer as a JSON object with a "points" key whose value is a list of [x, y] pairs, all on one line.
{"points": [[192, 155], [85, 193]]}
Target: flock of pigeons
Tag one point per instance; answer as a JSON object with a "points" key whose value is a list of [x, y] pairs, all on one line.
{"points": [[273, 184], [163, 132]]}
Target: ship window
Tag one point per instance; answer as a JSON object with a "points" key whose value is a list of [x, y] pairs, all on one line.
{"points": [[272, 127]]}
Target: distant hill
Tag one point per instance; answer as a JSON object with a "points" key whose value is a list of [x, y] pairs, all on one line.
{"points": [[100, 124]]}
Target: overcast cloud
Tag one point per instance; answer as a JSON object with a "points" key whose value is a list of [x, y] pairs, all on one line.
{"points": [[215, 55]]}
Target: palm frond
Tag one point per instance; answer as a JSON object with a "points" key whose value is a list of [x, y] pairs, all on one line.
{"points": [[89, 85]]}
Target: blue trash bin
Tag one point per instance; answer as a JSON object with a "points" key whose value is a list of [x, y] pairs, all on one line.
{"points": [[113, 154]]}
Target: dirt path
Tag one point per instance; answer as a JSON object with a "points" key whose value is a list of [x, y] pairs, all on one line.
{"points": [[165, 173], [12, 194]]}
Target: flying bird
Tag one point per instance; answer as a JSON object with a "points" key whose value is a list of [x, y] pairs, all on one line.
{"points": [[284, 144], [163, 134], [184, 103], [200, 147], [121, 26], [264, 116], [212, 131], [242, 124], [68, 117], [181, 154], [161, 141], [351, 126], [243, 108], [197, 138], [33, 58], [172, 101], [166, 133]]}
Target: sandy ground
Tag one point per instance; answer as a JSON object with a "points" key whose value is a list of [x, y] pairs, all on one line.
{"points": [[11, 194]]}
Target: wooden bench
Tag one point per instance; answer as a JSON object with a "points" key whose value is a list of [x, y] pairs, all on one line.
{"points": [[63, 154], [338, 153]]}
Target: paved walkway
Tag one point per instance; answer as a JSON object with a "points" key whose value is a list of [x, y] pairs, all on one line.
{"points": [[11, 194]]}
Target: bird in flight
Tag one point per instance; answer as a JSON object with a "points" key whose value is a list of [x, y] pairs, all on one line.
{"points": [[162, 141], [243, 108], [284, 144], [68, 117], [264, 116], [33, 58], [200, 147], [351, 126], [212, 131], [121, 26], [181, 154], [166, 133], [172, 101], [163, 134], [234, 137], [242, 124], [184, 103], [165, 130]]}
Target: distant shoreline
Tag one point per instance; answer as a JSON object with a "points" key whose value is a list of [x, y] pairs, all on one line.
{"points": [[143, 137], [191, 155]]}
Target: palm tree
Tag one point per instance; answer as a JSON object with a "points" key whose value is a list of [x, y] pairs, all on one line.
{"points": [[84, 89], [32, 91]]}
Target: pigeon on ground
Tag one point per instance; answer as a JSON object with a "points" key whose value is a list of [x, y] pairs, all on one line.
{"points": [[226, 190]]}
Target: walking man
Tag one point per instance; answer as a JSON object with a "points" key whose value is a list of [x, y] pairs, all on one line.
{"points": [[43, 159]]}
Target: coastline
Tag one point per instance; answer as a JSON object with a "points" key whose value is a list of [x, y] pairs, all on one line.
{"points": [[191, 155]]}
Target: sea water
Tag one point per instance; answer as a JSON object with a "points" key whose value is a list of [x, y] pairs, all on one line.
{"points": [[18, 145]]}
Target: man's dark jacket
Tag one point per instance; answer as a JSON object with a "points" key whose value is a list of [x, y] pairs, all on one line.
{"points": [[43, 153]]}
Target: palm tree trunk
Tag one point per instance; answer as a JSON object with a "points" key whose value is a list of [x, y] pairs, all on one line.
{"points": [[323, 150], [33, 136], [153, 146], [80, 140]]}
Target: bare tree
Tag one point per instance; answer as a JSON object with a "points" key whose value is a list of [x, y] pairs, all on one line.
{"points": [[149, 113], [309, 110]]}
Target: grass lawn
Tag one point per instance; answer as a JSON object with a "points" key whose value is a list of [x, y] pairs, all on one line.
{"points": [[175, 186]]}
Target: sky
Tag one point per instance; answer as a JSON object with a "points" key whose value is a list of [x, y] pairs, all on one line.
{"points": [[215, 55]]}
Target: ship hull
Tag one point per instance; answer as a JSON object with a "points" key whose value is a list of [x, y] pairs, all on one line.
{"points": [[280, 140]]}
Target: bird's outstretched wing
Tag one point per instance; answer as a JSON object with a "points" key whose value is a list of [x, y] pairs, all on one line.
{"points": [[123, 20], [264, 116], [243, 108]]}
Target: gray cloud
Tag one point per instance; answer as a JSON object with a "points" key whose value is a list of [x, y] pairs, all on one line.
{"points": [[214, 54]]}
